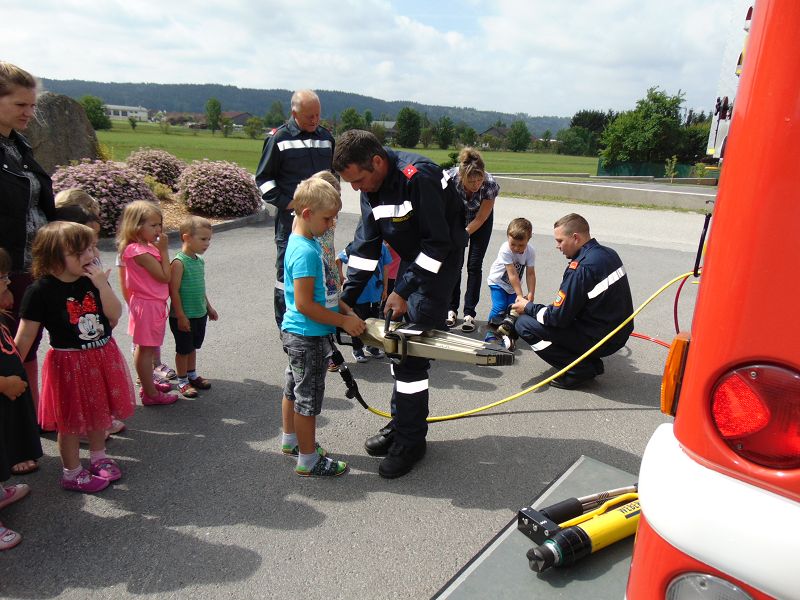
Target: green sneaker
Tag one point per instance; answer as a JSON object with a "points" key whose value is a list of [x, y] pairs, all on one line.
{"points": [[324, 467], [295, 450]]}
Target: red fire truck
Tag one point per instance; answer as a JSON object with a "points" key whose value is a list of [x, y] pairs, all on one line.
{"points": [[720, 488]]}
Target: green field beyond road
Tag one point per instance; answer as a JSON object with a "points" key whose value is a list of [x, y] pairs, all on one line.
{"points": [[197, 144]]}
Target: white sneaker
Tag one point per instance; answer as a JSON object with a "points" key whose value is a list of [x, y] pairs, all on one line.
{"points": [[468, 325], [451, 318], [374, 352], [359, 356]]}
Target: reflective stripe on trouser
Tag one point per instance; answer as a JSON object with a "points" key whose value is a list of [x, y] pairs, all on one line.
{"points": [[565, 345], [410, 400], [410, 393]]}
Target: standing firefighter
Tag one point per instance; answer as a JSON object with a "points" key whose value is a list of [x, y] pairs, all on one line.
{"points": [[408, 201], [298, 149]]}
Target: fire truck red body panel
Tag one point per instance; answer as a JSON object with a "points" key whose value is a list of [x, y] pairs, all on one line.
{"points": [[747, 313], [748, 305]]}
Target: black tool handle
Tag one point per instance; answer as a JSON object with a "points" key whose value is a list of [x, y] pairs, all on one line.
{"points": [[564, 510], [388, 321]]}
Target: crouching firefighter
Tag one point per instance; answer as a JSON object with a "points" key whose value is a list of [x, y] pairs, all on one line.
{"points": [[594, 298], [407, 200]]}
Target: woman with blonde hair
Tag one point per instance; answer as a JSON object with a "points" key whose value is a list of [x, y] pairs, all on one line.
{"points": [[478, 191], [26, 204]]}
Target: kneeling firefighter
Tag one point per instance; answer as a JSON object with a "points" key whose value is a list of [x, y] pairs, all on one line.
{"points": [[593, 299]]}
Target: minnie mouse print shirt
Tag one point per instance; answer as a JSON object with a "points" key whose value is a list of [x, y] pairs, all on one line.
{"points": [[71, 312]]}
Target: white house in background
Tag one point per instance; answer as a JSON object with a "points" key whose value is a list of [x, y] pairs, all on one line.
{"points": [[390, 127], [115, 111]]}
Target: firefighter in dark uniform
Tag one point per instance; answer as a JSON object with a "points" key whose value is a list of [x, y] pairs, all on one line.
{"points": [[297, 150], [408, 201], [593, 299]]}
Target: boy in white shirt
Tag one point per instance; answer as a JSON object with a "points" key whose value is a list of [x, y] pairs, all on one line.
{"points": [[515, 258]]}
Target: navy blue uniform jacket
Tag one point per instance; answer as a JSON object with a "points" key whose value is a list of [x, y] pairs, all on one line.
{"points": [[289, 156], [418, 212], [594, 296]]}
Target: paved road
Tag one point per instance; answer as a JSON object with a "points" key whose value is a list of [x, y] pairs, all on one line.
{"points": [[209, 508]]}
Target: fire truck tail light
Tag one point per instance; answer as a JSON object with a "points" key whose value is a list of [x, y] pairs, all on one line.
{"points": [[700, 586], [738, 411], [756, 410]]}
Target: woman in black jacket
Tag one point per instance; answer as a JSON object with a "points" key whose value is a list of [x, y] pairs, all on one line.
{"points": [[26, 202]]}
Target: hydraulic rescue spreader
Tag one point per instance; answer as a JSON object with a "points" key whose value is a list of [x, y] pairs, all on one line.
{"points": [[574, 528], [399, 340]]}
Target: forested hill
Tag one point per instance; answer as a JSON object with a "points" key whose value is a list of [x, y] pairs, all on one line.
{"points": [[193, 97]]}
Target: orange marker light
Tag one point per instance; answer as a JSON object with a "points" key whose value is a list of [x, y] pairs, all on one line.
{"points": [[673, 373]]}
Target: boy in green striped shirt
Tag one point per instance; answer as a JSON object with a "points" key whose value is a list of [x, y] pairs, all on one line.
{"points": [[190, 308]]}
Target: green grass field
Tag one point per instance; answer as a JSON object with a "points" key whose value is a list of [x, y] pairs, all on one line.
{"points": [[187, 144], [197, 144]]}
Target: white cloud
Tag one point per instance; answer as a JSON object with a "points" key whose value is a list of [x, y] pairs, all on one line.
{"points": [[534, 56]]}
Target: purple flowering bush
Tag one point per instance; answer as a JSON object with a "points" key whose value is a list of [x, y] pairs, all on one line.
{"points": [[113, 185], [159, 164], [218, 189]]}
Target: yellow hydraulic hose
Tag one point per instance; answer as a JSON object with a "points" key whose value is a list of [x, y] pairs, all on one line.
{"points": [[536, 386]]}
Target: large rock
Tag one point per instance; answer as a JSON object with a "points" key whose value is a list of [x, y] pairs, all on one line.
{"points": [[60, 132]]}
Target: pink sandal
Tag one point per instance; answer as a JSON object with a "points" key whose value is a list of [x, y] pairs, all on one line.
{"points": [[117, 426], [85, 482], [13, 493], [158, 399], [106, 468], [8, 538]]}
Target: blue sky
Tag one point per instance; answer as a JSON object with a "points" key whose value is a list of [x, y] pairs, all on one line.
{"points": [[534, 56]]}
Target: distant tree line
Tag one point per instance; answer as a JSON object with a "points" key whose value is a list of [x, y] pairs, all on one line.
{"points": [[191, 98], [656, 130]]}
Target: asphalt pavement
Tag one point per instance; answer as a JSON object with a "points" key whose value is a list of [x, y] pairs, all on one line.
{"points": [[209, 507]]}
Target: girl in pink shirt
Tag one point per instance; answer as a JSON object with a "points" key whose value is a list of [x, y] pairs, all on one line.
{"points": [[145, 254]]}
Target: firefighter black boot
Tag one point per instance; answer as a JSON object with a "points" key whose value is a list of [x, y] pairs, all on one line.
{"points": [[401, 459], [378, 444]]}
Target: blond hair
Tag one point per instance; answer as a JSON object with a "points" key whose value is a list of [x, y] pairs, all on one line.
{"points": [[470, 164], [133, 217], [54, 241], [330, 178], [316, 194], [192, 223], [77, 197], [12, 76], [520, 229]]}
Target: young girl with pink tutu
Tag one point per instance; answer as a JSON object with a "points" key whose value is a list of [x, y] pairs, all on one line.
{"points": [[85, 381], [145, 255]]}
